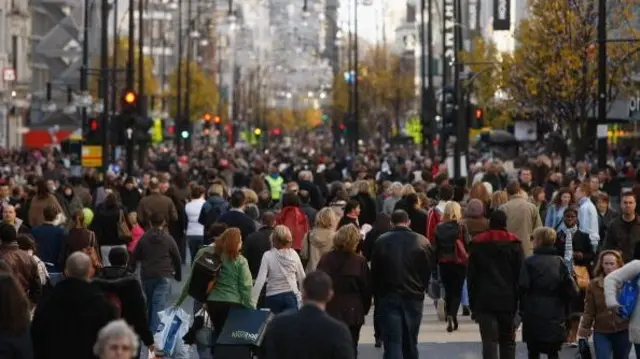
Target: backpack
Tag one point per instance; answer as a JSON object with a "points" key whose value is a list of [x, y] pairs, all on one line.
{"points": [[204, 274], [114, 300]]}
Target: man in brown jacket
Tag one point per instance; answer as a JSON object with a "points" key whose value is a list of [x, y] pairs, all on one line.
{"points": [[156, 202], [522, 216]]}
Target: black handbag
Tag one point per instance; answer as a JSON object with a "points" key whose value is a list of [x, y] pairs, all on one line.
{"points": [[584, 351]]}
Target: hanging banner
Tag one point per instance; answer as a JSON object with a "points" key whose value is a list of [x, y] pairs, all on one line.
{"points": [[448, 38], [473, 15], [501, 15]]}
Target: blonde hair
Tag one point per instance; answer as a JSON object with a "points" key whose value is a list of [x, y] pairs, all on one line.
{"points": [[250, 196], [216, 189], [452, 212], [407, 190], [498, 198], [346, 239], [361, 186], [544, 236], [326, 218], [133, 218], [281, 237]]}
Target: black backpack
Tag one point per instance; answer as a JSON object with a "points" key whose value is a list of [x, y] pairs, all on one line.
{"points": [[204, 274]]}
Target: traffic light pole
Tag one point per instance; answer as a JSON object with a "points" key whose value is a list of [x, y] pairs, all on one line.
{"points": [[130, 47], [84, 77], [356, 94], [178, 121], [104, 76], [602, 80], [459, 112]]}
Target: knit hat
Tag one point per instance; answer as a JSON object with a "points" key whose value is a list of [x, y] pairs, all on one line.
{"points": [[475, 208]]}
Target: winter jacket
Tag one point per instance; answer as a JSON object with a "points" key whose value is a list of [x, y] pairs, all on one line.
{"points": [[522, 219], [296, 221], [351, 279], [596, 315], [254, 247], [495, 260], [624, 236], [545, 291], [158, 254], [613, 283], [315, 244]]}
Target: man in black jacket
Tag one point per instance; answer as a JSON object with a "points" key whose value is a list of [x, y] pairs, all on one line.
{"points": [[66, 324], [495, 261], [401, 268], [309, 333], [122, 284], [236, 217]]}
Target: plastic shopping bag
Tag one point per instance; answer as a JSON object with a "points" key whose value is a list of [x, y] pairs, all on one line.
{"points": [[174, 324]]}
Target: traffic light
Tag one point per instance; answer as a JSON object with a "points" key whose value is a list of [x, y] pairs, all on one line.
{"points": [[130, 103], [92, 132], [257, 131], [478, 118], [276, 132], [184, 134]]}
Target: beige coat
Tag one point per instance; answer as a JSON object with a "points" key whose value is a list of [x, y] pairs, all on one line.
{"points": [[522, 218], [315, 244]]}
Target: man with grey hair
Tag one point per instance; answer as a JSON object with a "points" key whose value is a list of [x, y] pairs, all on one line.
{"points": [[76, 309], [390, 202]]}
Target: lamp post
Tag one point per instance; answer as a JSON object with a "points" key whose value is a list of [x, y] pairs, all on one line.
{"points": [[426, 90], [84, 78], [104, 77], [461, 119], [356, 94]]}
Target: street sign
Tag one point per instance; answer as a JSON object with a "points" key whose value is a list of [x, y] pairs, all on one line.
{"points": [[92, 156], [8, 75]]}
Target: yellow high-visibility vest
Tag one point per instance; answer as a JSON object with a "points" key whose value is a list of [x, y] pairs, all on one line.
{"points": [[275, 186]]}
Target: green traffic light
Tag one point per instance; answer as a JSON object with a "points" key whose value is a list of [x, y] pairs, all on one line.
{"points": [[184, 134]]}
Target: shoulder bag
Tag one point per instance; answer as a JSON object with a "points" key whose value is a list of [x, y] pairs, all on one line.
{"points": [[91, 251], [124, 232]]}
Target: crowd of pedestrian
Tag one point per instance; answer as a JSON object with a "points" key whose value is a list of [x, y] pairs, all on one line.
{"points": [[319, 242]]}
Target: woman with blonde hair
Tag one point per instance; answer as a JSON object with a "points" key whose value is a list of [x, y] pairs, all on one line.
{"points": [[283, 273], [498, 198], [451, 241], [610, 331], [319, 241], [351, 281]]}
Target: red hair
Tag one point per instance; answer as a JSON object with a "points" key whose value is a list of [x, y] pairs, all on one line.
{"points": [[229, 243]]}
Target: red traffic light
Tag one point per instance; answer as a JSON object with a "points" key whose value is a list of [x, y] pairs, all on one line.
{"points": [[93, 125], [479, 113], [171, 129], [130, 97], [207, 117], [276, 132], [342, 127], [216, 120]]}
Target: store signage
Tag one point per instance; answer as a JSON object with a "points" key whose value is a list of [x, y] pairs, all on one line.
{"points": [[501, 15], [473, 15], [634, 106], [449, 31]]}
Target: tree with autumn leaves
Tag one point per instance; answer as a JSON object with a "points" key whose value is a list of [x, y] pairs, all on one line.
{"points": [[203, 96], [553, 74], [386, 90], [150, 83]]}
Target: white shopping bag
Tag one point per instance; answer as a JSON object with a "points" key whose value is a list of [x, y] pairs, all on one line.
{"points": [[174, 324]]}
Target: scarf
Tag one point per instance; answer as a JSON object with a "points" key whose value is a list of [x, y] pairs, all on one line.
{"points": [[568, 246]]}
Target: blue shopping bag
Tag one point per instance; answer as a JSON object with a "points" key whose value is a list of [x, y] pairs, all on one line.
{"points": [[628, 297]]}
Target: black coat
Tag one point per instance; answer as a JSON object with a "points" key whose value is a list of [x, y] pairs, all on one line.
{"points": [[418, 217], [401, 264], [367, 209], [105, 225], [16, 346], [495, 260], [130, 198], [546, 290], [254, 247], [67, 324], [125, 285], [309, 333]]}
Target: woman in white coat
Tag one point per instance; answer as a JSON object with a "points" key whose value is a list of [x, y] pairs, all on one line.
{"points": [[612, 284]]}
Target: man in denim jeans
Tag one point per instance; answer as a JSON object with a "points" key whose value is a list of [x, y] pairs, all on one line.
{"points": [[159, 260], [400, 268]]}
